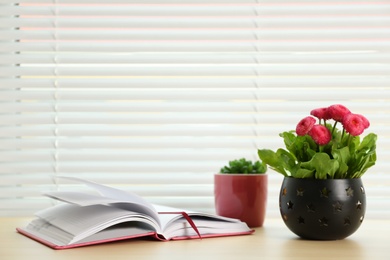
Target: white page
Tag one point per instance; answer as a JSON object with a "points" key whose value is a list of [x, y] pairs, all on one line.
{"points": [[79, 198], [176, 225], [82, 222], [109, 195]]}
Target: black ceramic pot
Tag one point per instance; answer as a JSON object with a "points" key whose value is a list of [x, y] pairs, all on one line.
{"points": [[322, 209]]}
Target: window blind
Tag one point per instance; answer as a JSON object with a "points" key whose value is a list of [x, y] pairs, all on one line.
{"points": [[156, 96]]}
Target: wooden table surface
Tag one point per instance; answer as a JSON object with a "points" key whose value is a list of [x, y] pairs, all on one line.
{"points": [[273, 241]]}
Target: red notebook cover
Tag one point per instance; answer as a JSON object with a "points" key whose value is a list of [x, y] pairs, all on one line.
{"points": [[149, 234]]}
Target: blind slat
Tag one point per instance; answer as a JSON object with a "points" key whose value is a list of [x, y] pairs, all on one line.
{"points": [[220, 9], [202, 46], [343, 83], [180, 22], [123, 34], [74, 59], [173, 94]]}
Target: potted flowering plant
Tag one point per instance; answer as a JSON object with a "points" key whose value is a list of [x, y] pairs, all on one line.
{"points": [[322, 151], [322, 167], [240, 191]]}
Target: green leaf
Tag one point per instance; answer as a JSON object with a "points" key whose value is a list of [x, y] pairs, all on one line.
{"points": [[302, 147], [368, 143], [260, 167], [363, 157], [270, 158], [281, 161], [342, 156], [322, 164], [288, 138], [304, 173]]}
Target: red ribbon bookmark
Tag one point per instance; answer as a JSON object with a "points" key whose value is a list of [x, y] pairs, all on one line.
{"points": [[188, 218]]}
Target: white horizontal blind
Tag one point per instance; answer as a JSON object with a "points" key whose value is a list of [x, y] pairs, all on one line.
{"points": [[156, 96]]}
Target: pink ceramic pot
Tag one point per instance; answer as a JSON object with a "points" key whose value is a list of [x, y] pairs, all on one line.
{"points": [[241, 196]]}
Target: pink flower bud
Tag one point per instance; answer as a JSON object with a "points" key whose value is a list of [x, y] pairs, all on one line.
{"points": [[338, 112], [320, 134], [321, 113], [354, 124], [305, 125]]}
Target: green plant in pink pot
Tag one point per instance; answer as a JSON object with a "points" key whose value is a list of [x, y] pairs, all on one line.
{"points": [[240, 191], [322, 195]]}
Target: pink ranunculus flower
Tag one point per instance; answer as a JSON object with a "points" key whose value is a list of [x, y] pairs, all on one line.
{"points": [[321, 113], [305, 125], [354, 124], [320, 134], [338, 112]]}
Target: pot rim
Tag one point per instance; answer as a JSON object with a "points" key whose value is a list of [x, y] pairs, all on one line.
{"points": [[241, 174], [314, 179]]}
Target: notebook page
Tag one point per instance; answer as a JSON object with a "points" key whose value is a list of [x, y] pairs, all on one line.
{"points": [[115, 197], [82, 222]]}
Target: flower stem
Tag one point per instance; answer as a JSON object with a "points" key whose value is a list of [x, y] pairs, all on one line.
{"points": [[334, 127], [342, 135], [349, 139]]}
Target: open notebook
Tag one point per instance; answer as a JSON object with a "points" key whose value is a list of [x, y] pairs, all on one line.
{"points": [[85, 219]]}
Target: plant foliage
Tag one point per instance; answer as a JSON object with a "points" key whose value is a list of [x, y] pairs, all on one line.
{"points": [[326, 154], [243, 166]]}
